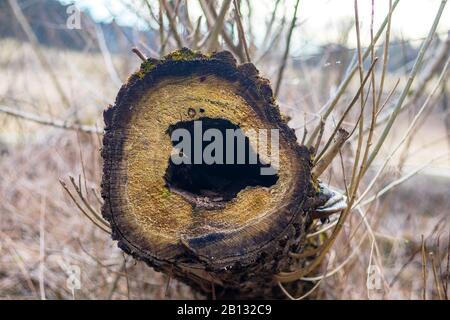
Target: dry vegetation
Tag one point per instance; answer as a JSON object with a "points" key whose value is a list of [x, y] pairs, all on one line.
{"points": [[400, 225]]}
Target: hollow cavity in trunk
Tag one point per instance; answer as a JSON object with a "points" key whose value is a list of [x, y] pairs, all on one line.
{"points": [[232, 166]]}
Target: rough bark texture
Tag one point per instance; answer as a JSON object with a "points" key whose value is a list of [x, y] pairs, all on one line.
{"points": [[230, 250]]}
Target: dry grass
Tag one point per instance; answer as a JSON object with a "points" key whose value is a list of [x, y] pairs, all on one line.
{"points": [[42, 234]]}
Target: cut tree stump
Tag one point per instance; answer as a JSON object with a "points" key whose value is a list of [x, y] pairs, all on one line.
{"points": [[222, 229]]}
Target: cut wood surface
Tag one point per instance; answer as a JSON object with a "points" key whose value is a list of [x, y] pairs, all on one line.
{"points": [[223, 229]]}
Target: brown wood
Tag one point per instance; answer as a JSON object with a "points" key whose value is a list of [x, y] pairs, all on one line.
{"points": [[235, 245]]}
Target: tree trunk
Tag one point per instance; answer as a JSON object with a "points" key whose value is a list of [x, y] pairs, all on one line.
{"points": [[224, 229]]}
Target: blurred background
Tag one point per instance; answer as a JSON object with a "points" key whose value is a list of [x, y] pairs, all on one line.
{"points": [[63, 62]]}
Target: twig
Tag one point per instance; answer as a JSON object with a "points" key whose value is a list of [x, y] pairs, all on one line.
{"points": [[211, 15], [125, 270], [214, 35], [286, 50], [354, 176], [107, 56], [412, 75], [424, 270], [161, 28], [116, 280], [332, 102], [97, 223], [48, 122], [272, 20], [97, 197], [172, 23], [414, 254], [242, 39], [327, 245], [347, 110], [305, 130], [408, 132], [83, 169], [402, 179], [422, 82], [167, 291], [274, 41], [394, 88], [197, 34], [328, 157], [37, 49], [436, 277], [385, 55], [341, 265], [301, 297], [319, 138], [94, 213], [139, 54]]}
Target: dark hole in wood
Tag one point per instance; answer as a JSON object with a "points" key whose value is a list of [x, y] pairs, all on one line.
{"points": [[214, 183]]}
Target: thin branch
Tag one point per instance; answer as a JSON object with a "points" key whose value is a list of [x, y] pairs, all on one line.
{"points": [[424, 270], [214, 35], [385, 55], [361, 120], [319, 138], [420, 86], [162, 39], [408, 132], [286, 50], [107, 56], [37, 49], [241, 30], [48, 122], [436, 277], [272, 20], [94, 213], [211, 15], [100, 225], [328, 157], [197, 34], [301, 297], [412, 75], [347, 110], [332, 102], [139, 54], [171, 15], [402, 179]]}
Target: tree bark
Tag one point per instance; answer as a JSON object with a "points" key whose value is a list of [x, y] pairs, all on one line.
{"points": [[229, 240]]}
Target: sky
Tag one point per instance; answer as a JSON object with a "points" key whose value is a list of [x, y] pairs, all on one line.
{"points": [[321, 21]]}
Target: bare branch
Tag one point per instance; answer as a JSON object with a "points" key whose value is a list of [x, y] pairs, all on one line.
{"points": [[35, 44], [286, 50], [48, 122], [331, 153], [412, 75], [242, 39], [214, 35]]}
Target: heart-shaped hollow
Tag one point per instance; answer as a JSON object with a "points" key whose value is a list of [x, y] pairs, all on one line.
{"points": [[211, 184]]}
